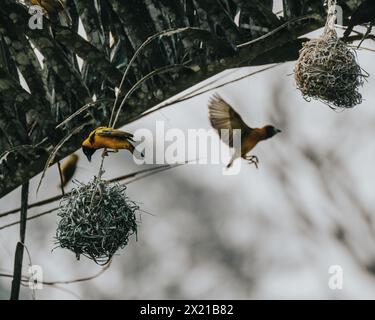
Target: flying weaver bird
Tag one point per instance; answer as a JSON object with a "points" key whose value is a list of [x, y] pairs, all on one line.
{"points": [[53, 8], [108, 138], [365, 13], [68, 168], [223, 117]]}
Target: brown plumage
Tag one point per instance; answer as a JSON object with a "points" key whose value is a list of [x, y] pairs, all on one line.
{"points": [[223, 117], [68, 168]]}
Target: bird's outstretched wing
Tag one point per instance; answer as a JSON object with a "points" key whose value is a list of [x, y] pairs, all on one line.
{"points": [[223, 117], [114, 133]]}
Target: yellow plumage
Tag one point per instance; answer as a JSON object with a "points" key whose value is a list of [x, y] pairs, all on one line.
{"points": [[108, 138]]}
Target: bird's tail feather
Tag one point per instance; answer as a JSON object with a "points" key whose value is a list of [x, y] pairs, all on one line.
{"points": [[132, 148]]}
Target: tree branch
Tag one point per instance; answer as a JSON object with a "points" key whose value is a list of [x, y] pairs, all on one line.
{"points": [[17, 273]]}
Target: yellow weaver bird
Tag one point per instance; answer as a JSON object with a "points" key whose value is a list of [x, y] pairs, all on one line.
{"points": [[68, 168], [53, 8], [108, 138], [223, 117]]}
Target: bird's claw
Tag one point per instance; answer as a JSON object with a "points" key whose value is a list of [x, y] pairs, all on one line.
{"points": [[106, 152], [253, 160]]}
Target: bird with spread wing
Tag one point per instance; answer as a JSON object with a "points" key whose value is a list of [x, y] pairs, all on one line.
{"points": [[110, 139], [223, 117]]}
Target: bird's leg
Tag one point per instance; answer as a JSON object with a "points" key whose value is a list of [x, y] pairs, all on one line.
{"points": [[106, 151], [369, 28], [253, 160]]}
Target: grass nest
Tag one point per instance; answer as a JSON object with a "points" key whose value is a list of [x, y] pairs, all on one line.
{"points": [[97, 219], [327, 70]]}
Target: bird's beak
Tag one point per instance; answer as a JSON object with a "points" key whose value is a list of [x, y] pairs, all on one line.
{"points": [[278, 130], [89, 157]]}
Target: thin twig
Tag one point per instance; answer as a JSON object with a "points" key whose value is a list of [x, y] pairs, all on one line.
{"points": [[143, 171], [141, 81], [132, 89], [272, 32], [190, 96], [136, 175], [144, 44], [80, 110], [364, 48], [58, 197], [8, 275], [56, 149], [169, 32], [53, 283], [29, 218], [104, 269], [160, 169], [33, 205]]}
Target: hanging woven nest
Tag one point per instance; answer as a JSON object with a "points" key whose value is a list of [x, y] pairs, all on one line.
{"points": [[97, 219], [327, 70]]}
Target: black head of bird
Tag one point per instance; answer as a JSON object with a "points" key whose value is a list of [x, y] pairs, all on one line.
{"points": [[271, 131], [88, 152]]}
